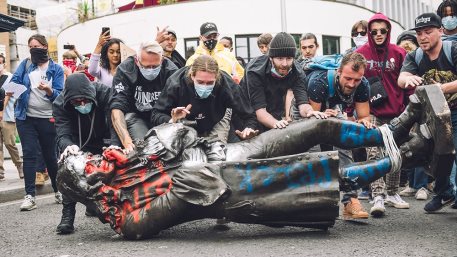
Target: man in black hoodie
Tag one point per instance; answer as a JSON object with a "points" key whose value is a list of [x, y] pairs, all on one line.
{"points": [[82, 124]]}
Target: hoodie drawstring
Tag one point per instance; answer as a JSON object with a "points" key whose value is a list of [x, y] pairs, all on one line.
{"points": [[92, 120]]}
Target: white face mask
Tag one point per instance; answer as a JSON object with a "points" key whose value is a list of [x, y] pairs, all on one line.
{"points": [[360, 40]]}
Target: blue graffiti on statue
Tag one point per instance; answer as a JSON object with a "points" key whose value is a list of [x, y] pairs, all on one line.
{"points": [[366, 173], [293, 175], [356, 135]]}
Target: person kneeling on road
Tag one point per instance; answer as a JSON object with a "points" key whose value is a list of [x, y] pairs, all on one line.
{"points": [[82, 124]]}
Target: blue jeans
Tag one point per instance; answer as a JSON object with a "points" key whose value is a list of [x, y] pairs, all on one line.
{"points": [[40, 166], [443, 186], [417, 178], [29, 131]]}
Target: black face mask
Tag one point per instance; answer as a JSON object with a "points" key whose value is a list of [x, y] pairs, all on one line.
{"points": [[210, 44], [39, 55]]}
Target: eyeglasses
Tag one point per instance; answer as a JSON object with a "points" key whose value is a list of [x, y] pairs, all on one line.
{"points": [[361, 33], [146, 67], [79, 101], [375, 32]]}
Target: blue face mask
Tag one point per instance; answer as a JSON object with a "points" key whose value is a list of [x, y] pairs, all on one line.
{"points": [[84, 109], [276, 74], [203, 91], [150, 74], [449, 22]]}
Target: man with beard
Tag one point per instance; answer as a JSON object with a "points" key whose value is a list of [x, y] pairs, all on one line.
{"points": [[434, 65], [169, 45], [384, 62], [348, 88], [268, 77]]}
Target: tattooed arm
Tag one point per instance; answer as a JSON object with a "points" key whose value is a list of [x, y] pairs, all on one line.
{"points": [[120, 126]]}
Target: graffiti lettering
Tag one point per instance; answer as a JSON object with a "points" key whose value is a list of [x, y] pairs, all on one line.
{"points": [[355, 135]]}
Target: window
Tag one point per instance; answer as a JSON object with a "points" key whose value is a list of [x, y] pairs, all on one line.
{"points": [[190, 45], [297, 42], [246, 46], [330, 45]]}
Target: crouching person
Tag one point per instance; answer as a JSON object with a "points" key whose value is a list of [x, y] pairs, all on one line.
{"points": [[82, 124]]}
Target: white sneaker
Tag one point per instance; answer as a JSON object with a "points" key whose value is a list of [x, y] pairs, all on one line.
{"points": [[397, 202], [422, 194], [58, 197], [408, 191], [378, 208], [28, 204]]}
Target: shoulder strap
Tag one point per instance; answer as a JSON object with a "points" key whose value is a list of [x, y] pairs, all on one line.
{"points": [[447, 47], [330, 81], [418, 56]]}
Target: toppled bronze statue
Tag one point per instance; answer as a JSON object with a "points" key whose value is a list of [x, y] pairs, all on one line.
{"points": [[175, 177]]}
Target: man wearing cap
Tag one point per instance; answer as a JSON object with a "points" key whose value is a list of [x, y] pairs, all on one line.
{"points": [[442, 65], [169, 46], [384, 62], [136, 86], [209, 45], [268, 77]]}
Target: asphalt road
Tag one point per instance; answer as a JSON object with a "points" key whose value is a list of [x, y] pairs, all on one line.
{"points": [[400, 233]]}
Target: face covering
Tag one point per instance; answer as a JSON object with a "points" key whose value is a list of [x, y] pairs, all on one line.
{"points": [[203, 91], [39, 55], [360, 40], [84, 109], [2, 67], [210, 44], [150, 74], [449, 22]]}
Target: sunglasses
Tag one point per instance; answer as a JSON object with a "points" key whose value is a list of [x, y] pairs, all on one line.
{"points": [[355, 34], [375, 32]]}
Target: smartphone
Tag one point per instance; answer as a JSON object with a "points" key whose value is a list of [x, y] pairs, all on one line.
{"points": [[104, 29], [69, 47]]}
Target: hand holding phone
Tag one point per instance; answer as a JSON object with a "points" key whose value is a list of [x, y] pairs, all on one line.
{"points": [[104, 30]]}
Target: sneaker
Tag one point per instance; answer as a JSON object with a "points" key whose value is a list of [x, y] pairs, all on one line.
{"points": [[354, 210], [58, 197], [408, 191], [438, 202], [28, 204], [454, 205], [39, 181], [422, 194], [364, 195], [397, 202], [378, 208]]}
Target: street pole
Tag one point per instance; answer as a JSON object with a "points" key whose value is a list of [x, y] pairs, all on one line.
{"points": [[283, 16]]}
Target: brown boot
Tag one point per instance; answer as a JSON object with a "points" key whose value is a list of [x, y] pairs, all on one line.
{"points": [[354, 210], [39, 181]]}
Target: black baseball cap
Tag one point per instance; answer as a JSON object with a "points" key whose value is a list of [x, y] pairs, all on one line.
{"points": [[427, 20], [207, 29]]}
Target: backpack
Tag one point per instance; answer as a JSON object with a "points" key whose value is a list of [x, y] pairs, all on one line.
{"points": [[447, 47], [329, 63]]}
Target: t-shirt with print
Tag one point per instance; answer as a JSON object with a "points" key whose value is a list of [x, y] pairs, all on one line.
{"points": [[440, 70], [318, 92], [145, 94]]}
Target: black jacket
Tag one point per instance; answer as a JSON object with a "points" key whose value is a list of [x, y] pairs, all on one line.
{"points": [[177, 59], [132, 92], [266, 91], [180, 91], [73, 128]]}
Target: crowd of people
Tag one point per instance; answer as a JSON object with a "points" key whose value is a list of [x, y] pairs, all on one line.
{"points": [[104, 102]]}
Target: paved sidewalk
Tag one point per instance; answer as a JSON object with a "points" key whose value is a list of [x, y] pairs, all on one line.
{"points": [[12, 188]]}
